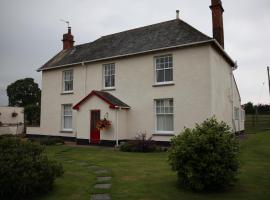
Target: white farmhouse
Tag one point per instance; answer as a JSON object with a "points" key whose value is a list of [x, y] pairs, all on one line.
{"points": [[156, 79]]}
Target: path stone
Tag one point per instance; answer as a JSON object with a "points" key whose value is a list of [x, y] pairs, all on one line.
{"points": [[103, 186], [100, 197], [101, 171], [83, 164], [93, 167], [104, 178]]}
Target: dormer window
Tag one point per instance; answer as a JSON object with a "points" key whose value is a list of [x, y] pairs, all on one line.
{"points": [[109, 76], [164, 69], [68, 81]]}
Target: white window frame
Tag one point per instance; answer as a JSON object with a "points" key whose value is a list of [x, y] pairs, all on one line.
{"points": [[243, 114], [63, 118], [155, 108], [104, 75], [64, 81], [236, 113], [166, 68]]}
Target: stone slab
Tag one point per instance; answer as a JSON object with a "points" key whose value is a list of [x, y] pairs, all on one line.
{"points": [[104, 178], [103, 186], [100, 197], [101, 171]]}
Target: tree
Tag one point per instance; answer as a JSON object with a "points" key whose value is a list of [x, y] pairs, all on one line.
{"points": [[249, 108], [23, 92]]}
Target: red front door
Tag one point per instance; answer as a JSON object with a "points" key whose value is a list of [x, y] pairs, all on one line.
{"points": [[94, 132]]}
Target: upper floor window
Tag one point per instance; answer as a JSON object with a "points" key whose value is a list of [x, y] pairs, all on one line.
{"points": [[109, 75], [164, 69], [68, 80], [164, 115]]}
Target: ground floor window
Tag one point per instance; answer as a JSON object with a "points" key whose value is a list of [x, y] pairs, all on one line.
{"points": [[236, 113], [164, 115], [67, 117]]}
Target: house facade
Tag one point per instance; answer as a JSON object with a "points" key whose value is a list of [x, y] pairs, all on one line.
{"points": [[155, 79]]}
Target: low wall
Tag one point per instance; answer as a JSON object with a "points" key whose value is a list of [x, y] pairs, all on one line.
{"points": [[33, 130], [12, 129]]}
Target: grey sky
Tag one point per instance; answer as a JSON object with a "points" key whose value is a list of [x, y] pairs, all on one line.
{"points": [[31, 33]]}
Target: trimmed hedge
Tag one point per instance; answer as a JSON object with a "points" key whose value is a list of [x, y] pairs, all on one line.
{"points": [[206, 157], [25, 170]]}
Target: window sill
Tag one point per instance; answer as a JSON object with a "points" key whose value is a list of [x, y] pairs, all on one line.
{"points": [[66, 92], [66, 131], [163, 134], [163, 84], [108, 89]]}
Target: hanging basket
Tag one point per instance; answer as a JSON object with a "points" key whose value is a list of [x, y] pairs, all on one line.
{"points": [[14, 114], [103, 124]]}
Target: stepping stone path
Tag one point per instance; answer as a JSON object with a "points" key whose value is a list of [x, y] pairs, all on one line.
{"points": [[101, 186]]}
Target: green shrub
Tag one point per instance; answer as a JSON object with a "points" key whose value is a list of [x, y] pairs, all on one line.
{"points": [[206, 157], [25, 170], [140, 144], [51, 141]]}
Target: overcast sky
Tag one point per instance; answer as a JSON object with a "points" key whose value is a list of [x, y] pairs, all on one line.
{"points": [[31, 33]]}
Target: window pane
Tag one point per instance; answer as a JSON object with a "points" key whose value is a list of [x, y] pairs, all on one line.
{"points": [[160, 76], [67, 122], [107, 81], [168, 122], [168, 74], [160, 119]]}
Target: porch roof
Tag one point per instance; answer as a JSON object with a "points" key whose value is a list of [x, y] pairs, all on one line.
{"points": [[108, 98]]}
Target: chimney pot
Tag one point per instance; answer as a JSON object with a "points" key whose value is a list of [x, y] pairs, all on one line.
{"points": [[68, 39], [177, 14]]}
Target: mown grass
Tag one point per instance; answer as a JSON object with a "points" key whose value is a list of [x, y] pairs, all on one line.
{"points": [[138, 176]]}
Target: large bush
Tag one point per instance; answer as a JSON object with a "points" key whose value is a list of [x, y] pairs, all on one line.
{"points": [[25, 171], [206, 157]]}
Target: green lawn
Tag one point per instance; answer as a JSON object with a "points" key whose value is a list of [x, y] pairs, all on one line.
{"points": [[147, 176]]}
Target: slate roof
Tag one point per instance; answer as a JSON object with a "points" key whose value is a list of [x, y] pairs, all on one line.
{"points": [[113, 101], [149, 38]]}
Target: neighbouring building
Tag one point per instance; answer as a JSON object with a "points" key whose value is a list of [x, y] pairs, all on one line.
{"points": [[155, 79], [11, 120]]}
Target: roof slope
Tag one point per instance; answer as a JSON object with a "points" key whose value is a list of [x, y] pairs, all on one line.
{"points": [[113, 102], [162, 35]]}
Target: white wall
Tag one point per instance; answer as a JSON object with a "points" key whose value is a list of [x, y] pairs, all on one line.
{"points": [[225, 95], [11, 125]]}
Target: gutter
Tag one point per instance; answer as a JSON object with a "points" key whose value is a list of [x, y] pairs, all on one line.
{"points": [[228, 58]]}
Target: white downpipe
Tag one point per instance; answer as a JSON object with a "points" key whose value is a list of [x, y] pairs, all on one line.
{"points": [[232, 99], [116, 127], [85, 77]]}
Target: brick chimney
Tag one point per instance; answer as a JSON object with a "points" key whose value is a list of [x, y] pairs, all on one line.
{"points": [[217, 18], [68, 39]]}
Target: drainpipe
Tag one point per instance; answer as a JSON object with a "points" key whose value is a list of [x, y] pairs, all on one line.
{"points": [[232, 97], [85, 77], [116, 127]]}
